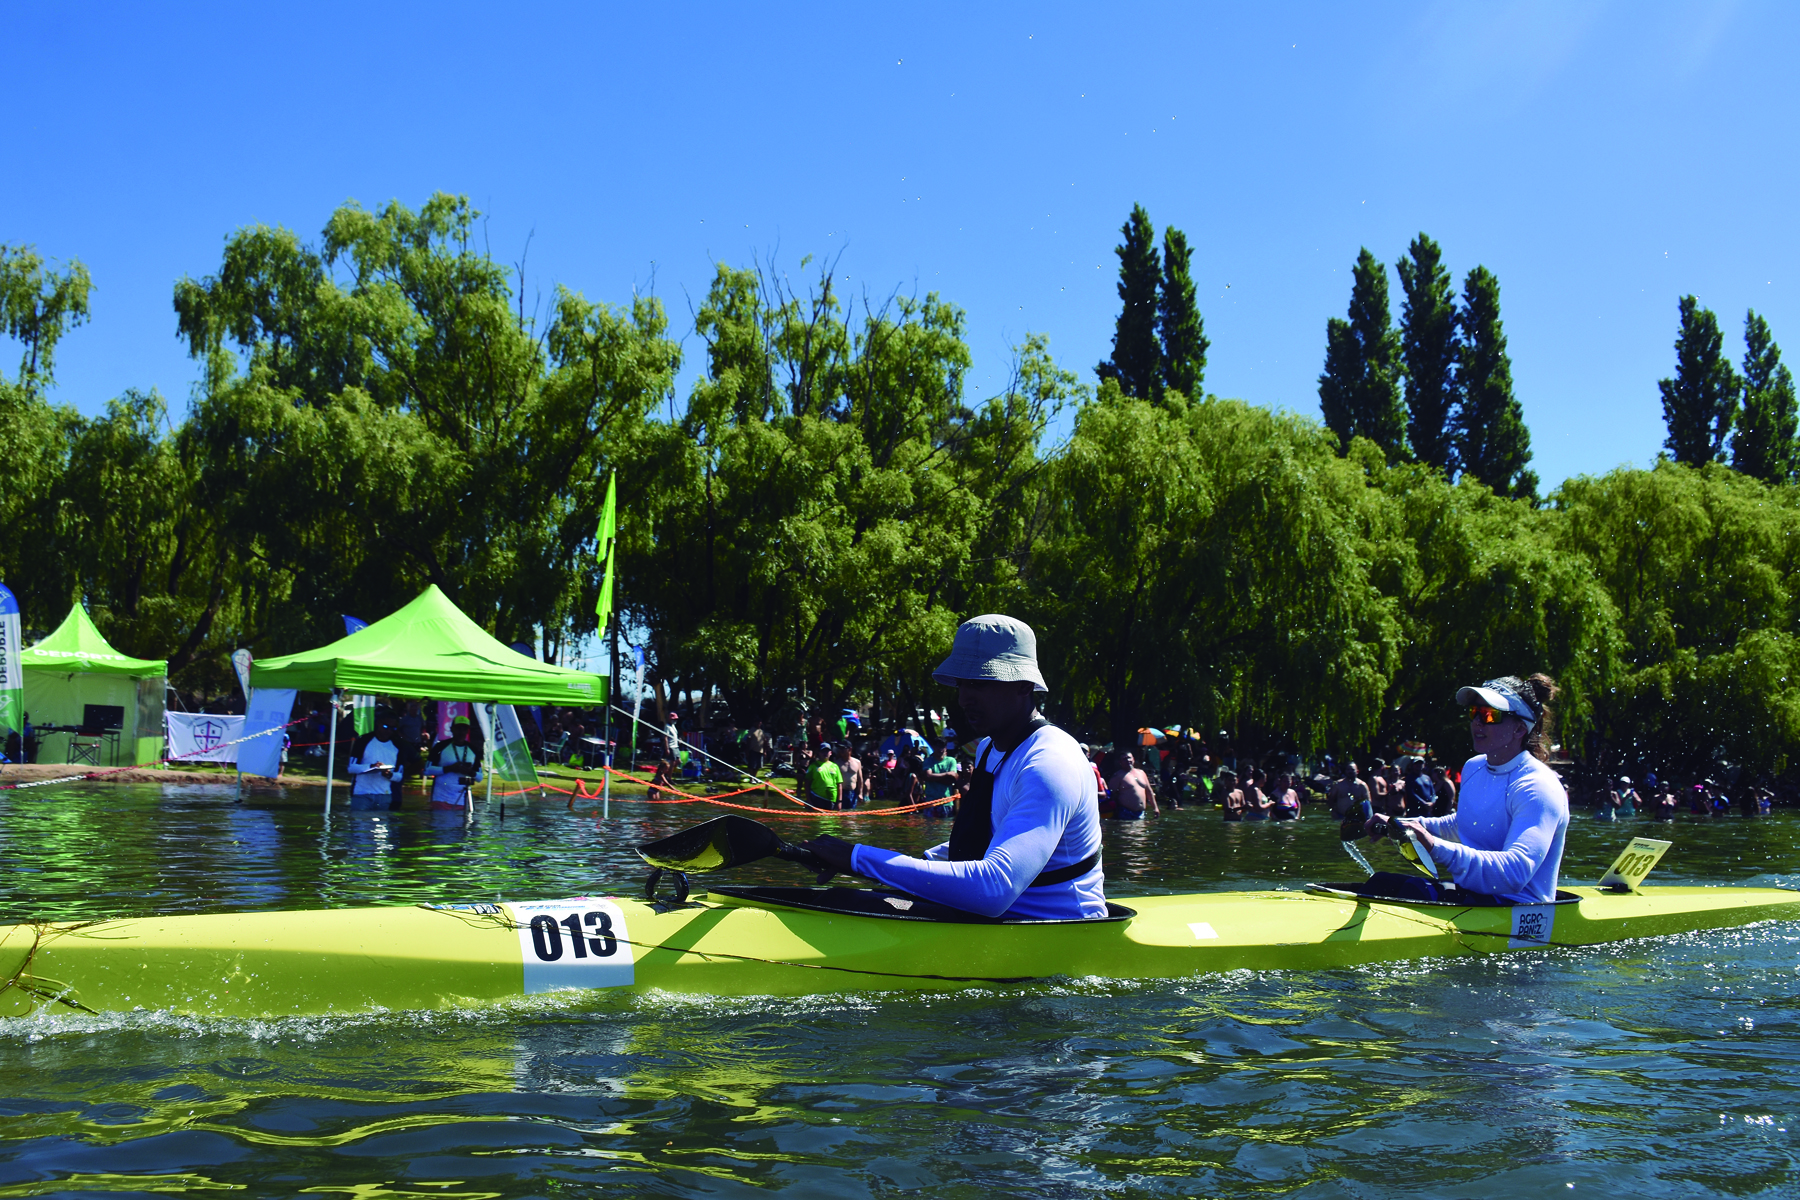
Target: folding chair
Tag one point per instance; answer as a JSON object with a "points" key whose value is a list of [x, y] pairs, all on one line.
{"points": [[84, 747]]}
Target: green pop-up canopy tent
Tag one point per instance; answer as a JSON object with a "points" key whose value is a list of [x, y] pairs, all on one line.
{"points": [[430, 648], [74, 674]]}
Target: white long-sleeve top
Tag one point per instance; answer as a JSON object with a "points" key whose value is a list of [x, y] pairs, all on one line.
{"points": [[1508, 828], [370, 782], [1046, 815], [449, 787]]}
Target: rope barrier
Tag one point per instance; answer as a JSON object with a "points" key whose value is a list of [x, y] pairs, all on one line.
{"points": [[580, 792]]}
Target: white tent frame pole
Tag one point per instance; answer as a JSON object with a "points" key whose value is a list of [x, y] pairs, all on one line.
{"points": [[488, 750], [331, 754]]}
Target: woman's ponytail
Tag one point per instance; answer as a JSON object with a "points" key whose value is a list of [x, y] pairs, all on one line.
{"points": [[1543, 690]]}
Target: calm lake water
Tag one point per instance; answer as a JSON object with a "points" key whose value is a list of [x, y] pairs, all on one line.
{"points": [[1667, 1068]]}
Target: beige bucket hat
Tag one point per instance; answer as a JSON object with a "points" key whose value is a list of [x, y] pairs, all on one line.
{"points": [[992, 647]]}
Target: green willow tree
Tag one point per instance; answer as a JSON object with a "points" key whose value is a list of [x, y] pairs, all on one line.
{"points": [[1136, 362], [1492, 444], [1208, 565], [831, 504], [1359, 391], [1700, 402], [1701, 564], [379, 413], [38, 306], [1763, 445], [1428, 353]]}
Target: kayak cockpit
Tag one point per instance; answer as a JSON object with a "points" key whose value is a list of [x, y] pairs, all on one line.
{"points": [[886, 905]]}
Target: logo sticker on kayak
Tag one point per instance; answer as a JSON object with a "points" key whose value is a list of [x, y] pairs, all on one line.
{"points": [[1531, 925], [579, 943]]}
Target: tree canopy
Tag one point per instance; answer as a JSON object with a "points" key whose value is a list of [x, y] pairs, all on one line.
{"points": [[381, 408]]}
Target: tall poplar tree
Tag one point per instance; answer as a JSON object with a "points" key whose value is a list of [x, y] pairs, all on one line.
{"points": [[1764, 445], [1428, 351], [1491, 442], [1700, 403], [1178, 320], [1136, 360], [1359, 391]]}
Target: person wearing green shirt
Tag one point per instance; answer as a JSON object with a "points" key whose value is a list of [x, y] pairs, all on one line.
{"points": [[941, 774], [824, 781]]}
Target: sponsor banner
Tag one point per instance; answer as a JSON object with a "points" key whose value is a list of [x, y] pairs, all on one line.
{"points": [[203, 737], [240, 662], [447, 712], [270, 709], [512, 753], [363, 714], [12, 676]]}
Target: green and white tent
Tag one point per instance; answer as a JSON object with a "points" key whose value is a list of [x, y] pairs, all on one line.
{"points": [[74, 677], [430, 648]]}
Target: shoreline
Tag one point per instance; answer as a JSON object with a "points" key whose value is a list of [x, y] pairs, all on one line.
{"points": [[43, 773]]}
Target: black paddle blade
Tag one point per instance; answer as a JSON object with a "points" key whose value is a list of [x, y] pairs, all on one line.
{"points": [[729, 841]]}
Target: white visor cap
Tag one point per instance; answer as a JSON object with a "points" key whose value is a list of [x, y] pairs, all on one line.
{"points": [[1497, 698], [992, 647]]}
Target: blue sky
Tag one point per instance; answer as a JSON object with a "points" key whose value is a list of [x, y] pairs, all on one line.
{"points": [[1601, 159]]}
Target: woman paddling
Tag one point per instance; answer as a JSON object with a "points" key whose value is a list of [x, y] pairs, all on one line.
{"points": [[1512, 813]]}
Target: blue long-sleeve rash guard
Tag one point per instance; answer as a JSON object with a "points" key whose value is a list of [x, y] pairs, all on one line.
{"points": [[1046, 815], [1509, 825]]}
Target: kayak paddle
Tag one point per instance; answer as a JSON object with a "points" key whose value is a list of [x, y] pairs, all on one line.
{"points": [[718, 845]]}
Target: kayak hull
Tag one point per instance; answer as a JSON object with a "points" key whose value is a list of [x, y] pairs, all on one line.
{"points": [[265, 965]]}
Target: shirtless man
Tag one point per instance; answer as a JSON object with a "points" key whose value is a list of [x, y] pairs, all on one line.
{"points": [[1131, 791], [1230, 795], [1348, 792]]}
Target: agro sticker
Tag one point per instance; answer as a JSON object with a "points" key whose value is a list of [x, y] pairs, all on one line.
{"points": [[1633, 863], [1531, 925], [580, 943]]}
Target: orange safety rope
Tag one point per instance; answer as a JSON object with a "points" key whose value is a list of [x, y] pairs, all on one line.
{"points": [[580, 792]]}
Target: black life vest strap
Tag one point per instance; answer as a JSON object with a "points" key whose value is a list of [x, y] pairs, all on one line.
{"points": [[973, 829], [1064, 874]]}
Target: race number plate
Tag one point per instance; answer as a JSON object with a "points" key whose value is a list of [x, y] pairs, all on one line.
{"points": [[1633, 863], [580, 943]]}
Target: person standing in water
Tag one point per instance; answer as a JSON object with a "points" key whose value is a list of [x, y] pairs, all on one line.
{"points": [[1512, 815], [1130, 790], [455, 767], [375, 767]]}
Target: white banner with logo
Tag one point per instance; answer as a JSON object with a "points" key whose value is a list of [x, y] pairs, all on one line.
{"points": [[270, 711], [203, 737]]}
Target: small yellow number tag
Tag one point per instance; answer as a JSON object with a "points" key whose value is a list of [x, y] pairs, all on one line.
{"points": [[1633, 863]]}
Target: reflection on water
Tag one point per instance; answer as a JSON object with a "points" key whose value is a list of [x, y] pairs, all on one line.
{"points": [[1658, 1068]]}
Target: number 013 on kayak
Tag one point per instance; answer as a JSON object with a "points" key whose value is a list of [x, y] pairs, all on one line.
{"points": [[1634, 862]]}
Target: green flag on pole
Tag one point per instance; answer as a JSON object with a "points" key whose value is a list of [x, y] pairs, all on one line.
{"points": [[607, 537]]}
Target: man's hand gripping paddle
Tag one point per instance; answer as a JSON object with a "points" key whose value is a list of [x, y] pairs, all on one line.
{"points": [[733, 841]]}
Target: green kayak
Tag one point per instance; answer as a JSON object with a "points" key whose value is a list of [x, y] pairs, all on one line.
{"points": [[778, 941]]}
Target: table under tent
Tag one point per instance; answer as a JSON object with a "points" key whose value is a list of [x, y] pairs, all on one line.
{"points": [[429, 648], [89, 703]]}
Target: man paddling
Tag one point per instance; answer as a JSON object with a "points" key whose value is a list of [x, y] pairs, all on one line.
{"points": [[1026, 840]]}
